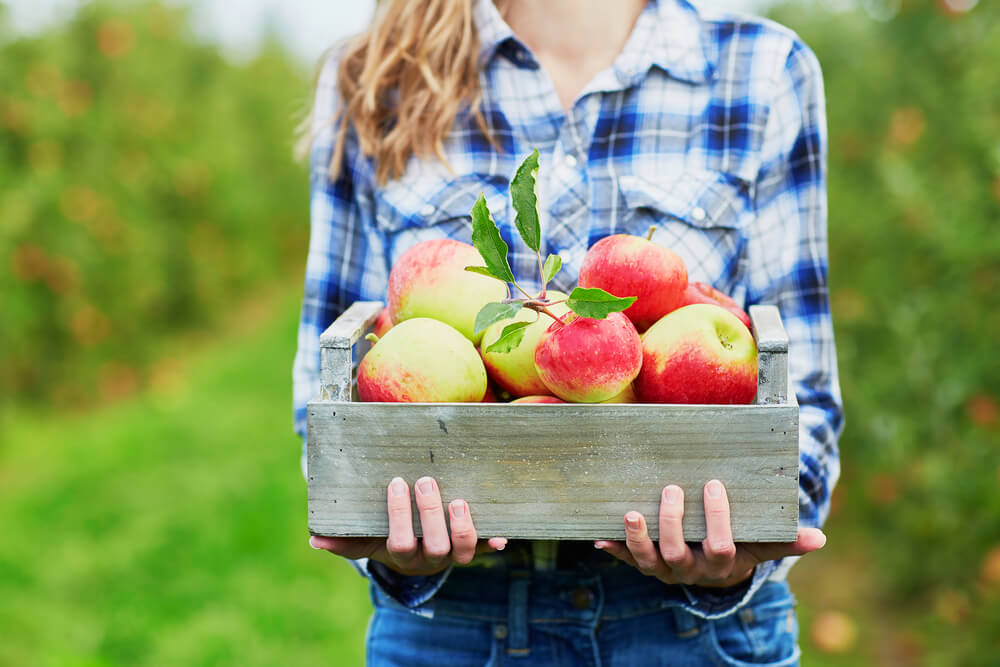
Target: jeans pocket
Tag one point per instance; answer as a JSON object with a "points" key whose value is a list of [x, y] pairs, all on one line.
{"points": [[764, 632]]}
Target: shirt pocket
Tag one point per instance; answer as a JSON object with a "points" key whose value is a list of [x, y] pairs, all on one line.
{"points": [[700, 215], [408, 212]]}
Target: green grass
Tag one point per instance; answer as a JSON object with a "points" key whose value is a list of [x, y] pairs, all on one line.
{"points": [[170, 529]]}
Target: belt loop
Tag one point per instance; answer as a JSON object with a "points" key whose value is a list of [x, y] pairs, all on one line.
{"points": [[685, 622], [517, 612]]}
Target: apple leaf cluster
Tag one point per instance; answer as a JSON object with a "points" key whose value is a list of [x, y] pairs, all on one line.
{"points": [[593, 302]]}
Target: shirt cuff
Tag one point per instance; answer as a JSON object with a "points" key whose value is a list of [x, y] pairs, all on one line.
{"points": [[712, 603], [416, 593]]}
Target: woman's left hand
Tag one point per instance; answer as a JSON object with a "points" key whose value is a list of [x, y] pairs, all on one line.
{"points": [[718, 561]]}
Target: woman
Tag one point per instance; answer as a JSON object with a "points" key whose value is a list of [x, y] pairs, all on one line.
{"points": [[709, 126]]}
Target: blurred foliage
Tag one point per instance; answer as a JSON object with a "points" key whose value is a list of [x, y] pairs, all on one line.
{"points": [[145, 181], [914, 116]]}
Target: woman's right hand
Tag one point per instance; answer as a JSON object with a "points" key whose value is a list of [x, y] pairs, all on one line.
{"points": [[401, 551]]}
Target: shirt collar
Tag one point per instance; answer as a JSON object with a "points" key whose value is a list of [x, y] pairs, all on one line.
{"points": [[668, 34]]}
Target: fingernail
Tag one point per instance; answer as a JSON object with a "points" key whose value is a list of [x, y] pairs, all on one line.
{"points": [[425, 485], [600, 545], [671, 495], [312, 543], [632, 522], [397, 487], [458, 509], [715, 489], [502, 546]]}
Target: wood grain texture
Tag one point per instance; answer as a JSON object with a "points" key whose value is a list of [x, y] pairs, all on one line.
{"points": [[772, 355], [555, 471], [336, 359]]}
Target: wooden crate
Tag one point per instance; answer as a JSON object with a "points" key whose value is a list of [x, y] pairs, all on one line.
{"points": [[537, 471]]}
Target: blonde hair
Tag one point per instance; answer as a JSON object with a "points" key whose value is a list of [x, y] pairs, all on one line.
{"points": [[403, 81]]}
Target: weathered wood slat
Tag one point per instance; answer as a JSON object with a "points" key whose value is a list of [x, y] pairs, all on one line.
{"points": [[772, 355], [555, 471]]}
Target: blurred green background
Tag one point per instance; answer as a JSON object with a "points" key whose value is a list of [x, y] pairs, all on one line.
{"points": [[152, 240]]}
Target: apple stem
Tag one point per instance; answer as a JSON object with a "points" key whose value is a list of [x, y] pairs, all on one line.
{"points": [[649, 234], [371, 338]]}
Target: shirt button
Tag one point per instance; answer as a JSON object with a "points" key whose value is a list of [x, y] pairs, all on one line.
{"points": [[500, 631], [427, 210], [698, 214], [570, 161], [582, 598]]}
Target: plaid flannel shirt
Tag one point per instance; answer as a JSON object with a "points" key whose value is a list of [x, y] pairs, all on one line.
{"points": [[710, 126]]}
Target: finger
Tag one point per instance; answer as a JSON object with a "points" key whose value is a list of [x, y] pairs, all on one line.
{"points": [[718, 545], [497, 543], [644, 553], [616, 549], [809, 540], [436, 544], [463, 532], [401, 543], [673, 550], [348, 547]]}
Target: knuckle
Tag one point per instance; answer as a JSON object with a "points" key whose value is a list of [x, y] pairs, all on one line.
{"points": [[673, 556], [437, 550], [463, 535], [401, 546], [721, 550]]}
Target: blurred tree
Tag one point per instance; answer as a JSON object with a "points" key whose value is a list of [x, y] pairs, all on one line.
{"points": [[914, 116], [146, 183]]}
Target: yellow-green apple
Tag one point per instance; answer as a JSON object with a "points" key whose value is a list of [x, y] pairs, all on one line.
{"points": [[515, 371], [626, 265], [705, 293], [422, 360], [538, 399], [430, 280], [383, 323], [698, 354], [587, 360]]}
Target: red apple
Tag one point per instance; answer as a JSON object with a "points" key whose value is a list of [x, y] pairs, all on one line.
{"points": [[514, 371], [698, 354], [588, 360], [705, 293], [627, 266], [430, 280], [383, 323], [538, 399], [421, 360]]}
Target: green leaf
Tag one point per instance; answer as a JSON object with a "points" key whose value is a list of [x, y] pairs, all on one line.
{"points": [[484, 271], [522, 193], [509, 339], [492, 313], [486, 238], [552, 265], [596, 303]]}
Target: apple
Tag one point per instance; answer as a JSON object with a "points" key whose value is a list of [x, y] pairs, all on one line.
{"points": [[627, 395], [626, 265], [587, 360], [421, 360], [490, 396], [700, 353], [538, 399], [383, 323], [430, 280], [515, 371], [705, 293]]}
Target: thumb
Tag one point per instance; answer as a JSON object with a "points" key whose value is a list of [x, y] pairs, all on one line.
{"points": [[807, 541]]}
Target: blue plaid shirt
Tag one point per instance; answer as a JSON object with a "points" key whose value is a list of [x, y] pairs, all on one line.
{"points": [[710, 126]]}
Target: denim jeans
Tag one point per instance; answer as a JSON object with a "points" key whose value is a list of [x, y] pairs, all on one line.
{"points": [[609, 616]]}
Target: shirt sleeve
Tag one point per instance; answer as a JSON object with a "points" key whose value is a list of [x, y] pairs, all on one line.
{"points": [[346, 263], [787, 266]]}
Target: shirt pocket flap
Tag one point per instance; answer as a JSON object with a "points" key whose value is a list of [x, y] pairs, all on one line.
{"points": [[416, 205], [700, 198]]}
